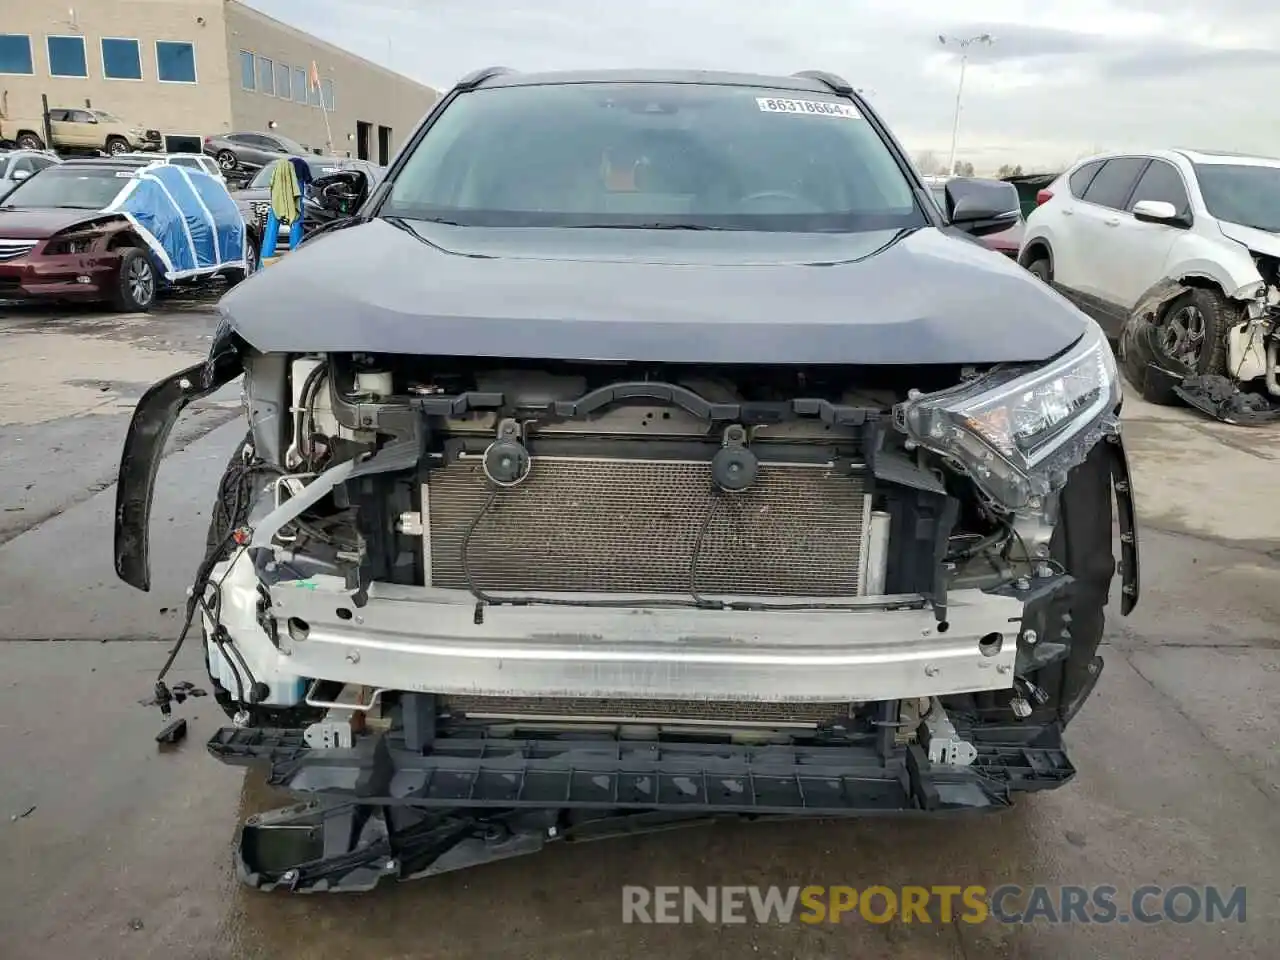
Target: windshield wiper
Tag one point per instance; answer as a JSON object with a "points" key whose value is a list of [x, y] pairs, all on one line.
{"points": [[642, 226], [403, 224]]}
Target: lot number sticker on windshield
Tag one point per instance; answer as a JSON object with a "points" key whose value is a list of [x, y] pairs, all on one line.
{"points": [[818, 108]]}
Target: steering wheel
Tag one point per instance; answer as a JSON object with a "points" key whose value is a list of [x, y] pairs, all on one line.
{"points": [[803, 203]]}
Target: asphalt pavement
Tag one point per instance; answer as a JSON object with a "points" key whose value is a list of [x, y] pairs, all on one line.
{"points": [[113, 848]]}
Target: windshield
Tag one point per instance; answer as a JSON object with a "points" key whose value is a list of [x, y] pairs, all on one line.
{"points": [[76, 188], [654, 155], [319, 167], [1244, 194], [108, 117]]}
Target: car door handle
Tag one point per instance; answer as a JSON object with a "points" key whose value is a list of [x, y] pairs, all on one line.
{"points": [[1067, 211], [1113, 222]]}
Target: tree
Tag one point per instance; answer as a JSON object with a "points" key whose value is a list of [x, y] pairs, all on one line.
{"points": [[963, 169], [1009, 171], [928, 164]]}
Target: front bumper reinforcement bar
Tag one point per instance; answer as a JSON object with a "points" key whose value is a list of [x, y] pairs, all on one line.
{"points": [[379, 810], [396, 634]]}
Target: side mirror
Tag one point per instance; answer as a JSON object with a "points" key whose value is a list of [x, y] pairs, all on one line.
{"points": [[981, 207], [1158, 211], [19, 175]]}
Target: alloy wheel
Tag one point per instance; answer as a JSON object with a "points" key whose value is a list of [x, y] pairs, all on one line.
{"points": [[142, 281], [1182, 335]]}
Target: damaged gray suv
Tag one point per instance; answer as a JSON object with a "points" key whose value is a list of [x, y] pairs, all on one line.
{"points": [[647, 447]]}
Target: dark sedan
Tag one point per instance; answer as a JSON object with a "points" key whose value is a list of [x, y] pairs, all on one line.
{"points": [[249, 151]]}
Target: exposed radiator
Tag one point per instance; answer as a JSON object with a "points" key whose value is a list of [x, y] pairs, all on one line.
{"points": [[631, 526]]}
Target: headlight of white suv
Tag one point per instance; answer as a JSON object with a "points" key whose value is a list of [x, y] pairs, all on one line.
{"points": [[1018, 430]]}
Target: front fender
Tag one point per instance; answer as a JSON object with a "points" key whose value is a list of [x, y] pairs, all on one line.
{"points": [[149, 429], [1141, 357], [1229, 265]]}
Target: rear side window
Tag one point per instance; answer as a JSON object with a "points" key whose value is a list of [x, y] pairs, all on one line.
{"points": [[1111, 186], [1161, 181], [1081, 179]]}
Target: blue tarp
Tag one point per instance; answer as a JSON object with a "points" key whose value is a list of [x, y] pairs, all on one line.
{"points": [[187, 218]]}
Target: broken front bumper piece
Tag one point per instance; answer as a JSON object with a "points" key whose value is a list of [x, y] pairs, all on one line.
{"points": [[388, 809]]}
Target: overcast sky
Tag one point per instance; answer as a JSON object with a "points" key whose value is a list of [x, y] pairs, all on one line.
{"points": [[1090, 75]]}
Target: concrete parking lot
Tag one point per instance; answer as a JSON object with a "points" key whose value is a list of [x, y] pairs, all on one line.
{"points": [[113, 849]]}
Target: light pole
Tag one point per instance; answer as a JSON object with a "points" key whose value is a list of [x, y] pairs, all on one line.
{"points": [[964, 44]]}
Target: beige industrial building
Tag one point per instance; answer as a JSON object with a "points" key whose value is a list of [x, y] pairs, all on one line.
{"points": [[200, 68]]}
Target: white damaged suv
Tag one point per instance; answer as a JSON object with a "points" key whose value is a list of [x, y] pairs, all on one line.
{"points": [[1191, 238]]}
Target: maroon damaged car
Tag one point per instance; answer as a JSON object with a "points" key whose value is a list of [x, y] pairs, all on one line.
{"points": [[56, 243]]}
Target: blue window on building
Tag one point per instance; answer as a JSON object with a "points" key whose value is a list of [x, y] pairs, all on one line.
{"points": [[15, 53], [247, 78], [326, 89], [66, 57], [175, 61], [299, 85], [282, 80], [266, 77], [121, 59]]}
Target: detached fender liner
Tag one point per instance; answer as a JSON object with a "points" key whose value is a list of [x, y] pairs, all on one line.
{"points": [[149, 429], [1127, 517], [380, 810]]}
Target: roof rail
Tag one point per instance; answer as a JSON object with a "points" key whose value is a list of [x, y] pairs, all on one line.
{"points": [[837, 83], [477, 77]]}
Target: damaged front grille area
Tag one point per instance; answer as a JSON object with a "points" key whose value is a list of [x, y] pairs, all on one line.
{"points": [[648, 526]]}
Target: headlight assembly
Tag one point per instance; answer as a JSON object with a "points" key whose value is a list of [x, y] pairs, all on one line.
{"points": [[1018, 430], [71, 243]]}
